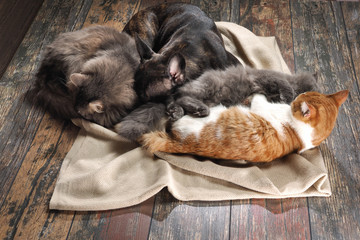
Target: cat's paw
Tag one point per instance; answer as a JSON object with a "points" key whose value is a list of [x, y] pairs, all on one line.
{"points": [[175, 112], [287, 97], [201, 111]]}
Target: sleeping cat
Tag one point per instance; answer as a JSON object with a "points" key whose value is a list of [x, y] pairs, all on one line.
{"points": [[263, 133], [89, 73], [233, 86], [177, 42]]}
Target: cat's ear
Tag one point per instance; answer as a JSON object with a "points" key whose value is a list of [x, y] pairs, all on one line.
{"points": [[307, 110], [340, 97], [176, 68], [96, 106], [77, 80], [144, 50]]}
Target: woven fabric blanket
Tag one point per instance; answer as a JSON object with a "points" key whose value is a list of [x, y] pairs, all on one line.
{"points": [[103, 171]]}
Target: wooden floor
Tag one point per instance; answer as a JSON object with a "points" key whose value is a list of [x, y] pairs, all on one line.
{"points": [[314, 36]]}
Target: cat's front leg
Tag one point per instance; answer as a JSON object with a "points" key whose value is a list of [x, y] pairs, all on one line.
{"points": [[174, 111], [193, 106]]}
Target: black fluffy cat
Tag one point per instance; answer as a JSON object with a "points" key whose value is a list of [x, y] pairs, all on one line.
{"points": [[176, 43]]}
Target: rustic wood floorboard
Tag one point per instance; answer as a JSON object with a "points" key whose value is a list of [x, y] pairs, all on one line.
{"points": [[322, 37], [280, 217], [320, 41], [15, 17]]}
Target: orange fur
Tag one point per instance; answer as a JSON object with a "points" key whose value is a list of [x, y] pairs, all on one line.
{"points": [[238, 135], [323, 112]]}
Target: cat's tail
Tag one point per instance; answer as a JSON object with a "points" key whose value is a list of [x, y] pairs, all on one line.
{"points": [[160, 141]]}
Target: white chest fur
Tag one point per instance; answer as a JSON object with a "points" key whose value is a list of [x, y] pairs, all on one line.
{"points": [[189, 125], [278, 115]]}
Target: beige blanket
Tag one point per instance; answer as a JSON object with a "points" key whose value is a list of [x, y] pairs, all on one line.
{"points": [[103, 171]]}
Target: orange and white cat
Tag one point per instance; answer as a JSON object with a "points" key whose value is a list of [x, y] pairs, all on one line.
{"points": [[262, 133]]}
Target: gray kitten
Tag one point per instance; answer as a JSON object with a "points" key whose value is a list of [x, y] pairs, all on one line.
{"points": [[89, 73], [233, 86]]}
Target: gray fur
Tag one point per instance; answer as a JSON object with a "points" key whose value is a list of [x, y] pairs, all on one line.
{"points": [[142, 120], [106, 58], [233, 86]]}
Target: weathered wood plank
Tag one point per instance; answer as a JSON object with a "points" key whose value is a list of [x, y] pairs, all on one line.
{"points": [[351, 13], [217, 10], [15, 16], [116, 13], [127, 223], [320, 41], [275, 218], [270, 18], [31, 191], [34, 147], [16, 136], [173, 219], [132, 222], [89, 225], [270, 219], [326, 39]]}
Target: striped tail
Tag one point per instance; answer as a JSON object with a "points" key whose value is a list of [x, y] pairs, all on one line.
{"points": [[160, 142]]}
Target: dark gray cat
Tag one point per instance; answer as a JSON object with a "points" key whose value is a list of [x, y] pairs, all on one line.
{"points": [[89, 73], [233, 86]]}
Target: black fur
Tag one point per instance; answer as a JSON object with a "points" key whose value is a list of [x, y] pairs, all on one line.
{"points": [[143, 119], [176, 43], [181, 45]]}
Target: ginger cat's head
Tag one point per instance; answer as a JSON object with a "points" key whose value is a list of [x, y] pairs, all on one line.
{"points": [[319, 111]]}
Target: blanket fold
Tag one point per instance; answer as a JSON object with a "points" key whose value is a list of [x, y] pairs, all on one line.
{"points": [[105, 171]]}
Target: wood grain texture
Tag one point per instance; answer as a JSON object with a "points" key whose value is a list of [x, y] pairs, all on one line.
{"points": [[282, 218], [314, 36], [351, 13], [173, 219], [270, 18], [132, 222], [15, 16], [34, 145], [178, 220], [319, 37], [270, 219], [16, 136]]}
